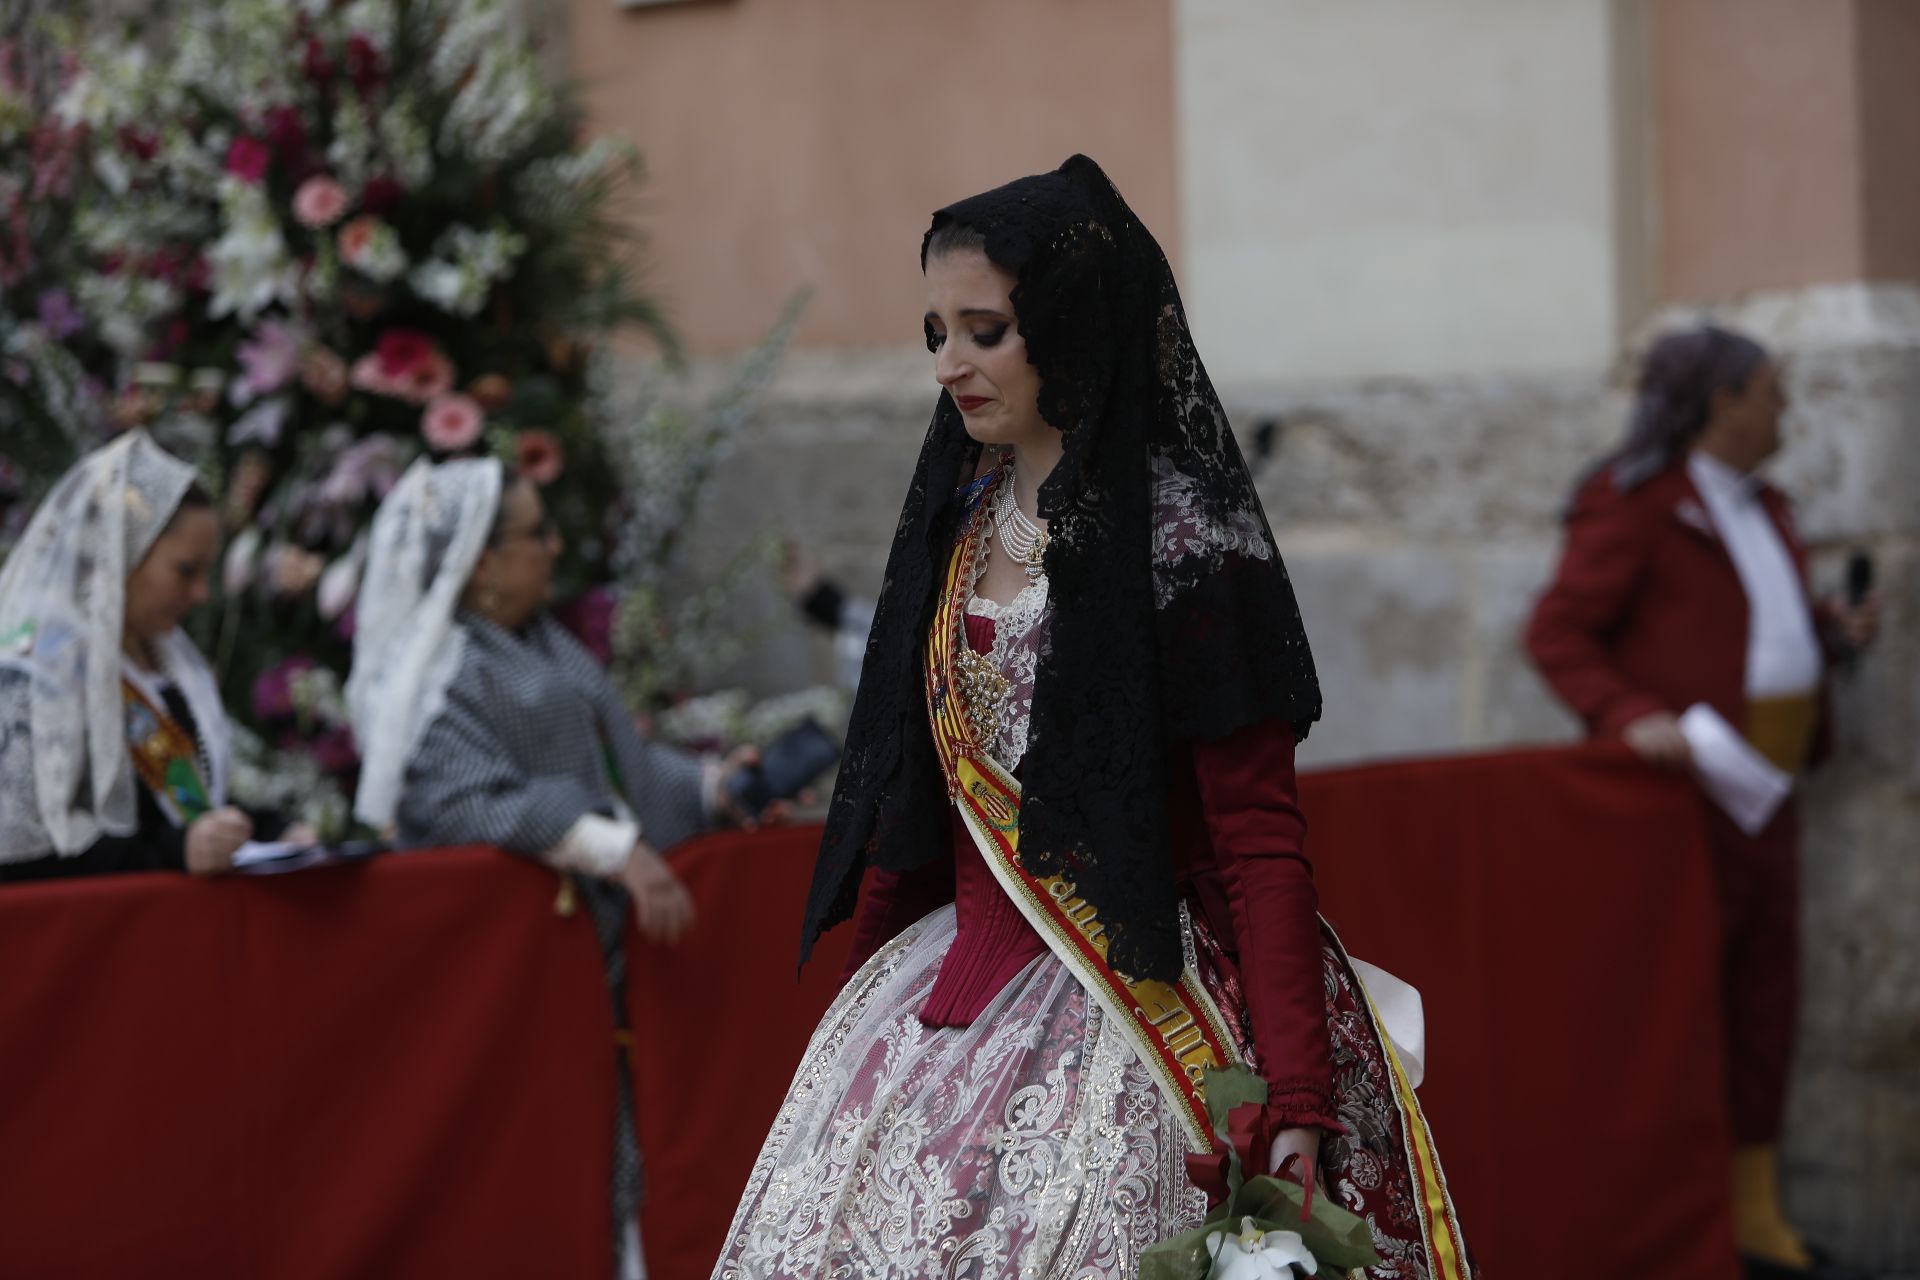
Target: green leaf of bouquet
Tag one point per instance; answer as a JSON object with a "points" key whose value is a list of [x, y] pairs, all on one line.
{"points": [[1230, 1087], [1338, 1240], [1181, 1257]]}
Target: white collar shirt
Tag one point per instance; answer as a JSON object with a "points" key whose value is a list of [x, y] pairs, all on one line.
{"points": [[1783, 653]]}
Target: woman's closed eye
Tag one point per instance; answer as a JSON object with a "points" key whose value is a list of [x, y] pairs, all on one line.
{"points": [[982, 338]]}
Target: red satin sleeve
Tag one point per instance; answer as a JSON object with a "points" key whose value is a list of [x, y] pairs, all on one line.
{"points": [[892, 900], [1250, 801]]}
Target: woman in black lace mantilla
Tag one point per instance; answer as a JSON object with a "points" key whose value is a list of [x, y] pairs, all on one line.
{"points": [[1084, 685]]}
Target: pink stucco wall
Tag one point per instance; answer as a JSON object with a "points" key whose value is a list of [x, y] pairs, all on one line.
{"points": [[794, 142]]}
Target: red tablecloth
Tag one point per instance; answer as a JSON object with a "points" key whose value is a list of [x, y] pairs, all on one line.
{"points": [[401, 1069], [397, 1069], [1555, 909]]}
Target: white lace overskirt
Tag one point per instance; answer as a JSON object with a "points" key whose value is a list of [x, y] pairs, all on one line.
{"points": [[1031, 1143]]}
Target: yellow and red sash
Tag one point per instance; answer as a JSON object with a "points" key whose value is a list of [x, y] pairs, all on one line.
{"points": [[1440, 1234], [165, 758], [1175, 1028]]}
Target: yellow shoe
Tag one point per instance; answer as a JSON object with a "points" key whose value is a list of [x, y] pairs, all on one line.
{"points": [[1759, 1223]]}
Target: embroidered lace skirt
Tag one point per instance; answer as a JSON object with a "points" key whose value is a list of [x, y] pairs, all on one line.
{"points": [[1031, 1143]]}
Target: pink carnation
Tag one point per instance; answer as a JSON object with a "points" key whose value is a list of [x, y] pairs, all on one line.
{"points": [[356, 236], [320, 202], [452, 422], [539, 457]]}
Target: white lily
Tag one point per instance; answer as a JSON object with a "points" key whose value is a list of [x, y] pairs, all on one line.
{"points": [[237, 571], [1258, 1255], [251, 269], [341, 582]]}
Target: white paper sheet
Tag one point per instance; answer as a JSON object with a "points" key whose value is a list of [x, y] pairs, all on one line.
{"points": [[1744, 783], [258, 851]]}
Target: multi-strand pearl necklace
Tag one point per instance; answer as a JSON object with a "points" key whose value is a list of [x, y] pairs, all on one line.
{"points": [[1020, 537]]}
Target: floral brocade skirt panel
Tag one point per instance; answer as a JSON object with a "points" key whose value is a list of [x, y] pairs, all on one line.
{"points": [[1031, 1143]]}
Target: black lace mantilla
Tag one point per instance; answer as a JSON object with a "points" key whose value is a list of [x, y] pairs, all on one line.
{"points": [[1171, 615]]}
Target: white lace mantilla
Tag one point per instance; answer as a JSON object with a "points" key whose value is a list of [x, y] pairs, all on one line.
{"points": [[66, 777]]}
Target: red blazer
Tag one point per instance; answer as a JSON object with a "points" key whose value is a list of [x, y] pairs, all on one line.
{"points": [[1647, 612]]}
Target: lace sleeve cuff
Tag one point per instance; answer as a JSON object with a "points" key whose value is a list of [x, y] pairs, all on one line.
{"points": [[714, 799], [1302, 1104], [595, 846]]}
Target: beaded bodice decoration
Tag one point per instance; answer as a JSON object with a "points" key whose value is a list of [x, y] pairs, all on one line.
{"points": [[997, 660], [1018, 632]]}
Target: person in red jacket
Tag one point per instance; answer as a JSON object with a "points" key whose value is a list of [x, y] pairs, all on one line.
{"points": [[1684, 582]]}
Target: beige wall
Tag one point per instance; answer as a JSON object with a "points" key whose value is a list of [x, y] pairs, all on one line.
{"points": [[1397, 187], [795, 143], [1758, 142]]}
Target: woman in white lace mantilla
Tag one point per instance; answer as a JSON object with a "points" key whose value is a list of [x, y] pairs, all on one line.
{"points": [[114, 747], [481, 720]]}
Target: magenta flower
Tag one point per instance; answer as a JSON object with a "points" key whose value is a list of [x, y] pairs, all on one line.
{"points": [[315, 64], [365, 67], [248, 158], [334, 752], [406, 365], [54, 151], [589, 616], [273, 691], [288, 134], [381, 194]]}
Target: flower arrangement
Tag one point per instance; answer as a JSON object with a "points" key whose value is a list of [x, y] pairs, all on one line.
{"points": [[303, 242], [1284, 1230], [42, 386]]}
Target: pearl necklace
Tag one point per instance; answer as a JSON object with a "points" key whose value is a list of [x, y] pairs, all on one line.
{"points": [[1020, 537]]}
